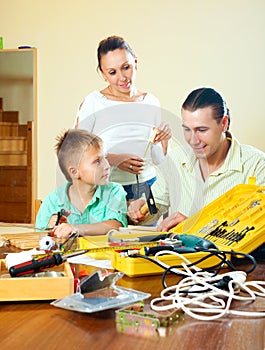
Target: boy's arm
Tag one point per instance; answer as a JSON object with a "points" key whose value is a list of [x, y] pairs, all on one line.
{"points": [[100, 228], [47, 209]]}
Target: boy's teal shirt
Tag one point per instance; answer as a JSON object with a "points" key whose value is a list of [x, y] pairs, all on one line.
{"points": [[108, 203]]}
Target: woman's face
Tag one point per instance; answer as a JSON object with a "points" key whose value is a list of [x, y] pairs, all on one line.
{"points": [[119, 69]]}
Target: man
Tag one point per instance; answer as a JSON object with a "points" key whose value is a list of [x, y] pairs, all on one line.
{"points": [[213, 163]]}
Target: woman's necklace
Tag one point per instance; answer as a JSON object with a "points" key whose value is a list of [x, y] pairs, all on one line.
{"points": [[137, 97]]}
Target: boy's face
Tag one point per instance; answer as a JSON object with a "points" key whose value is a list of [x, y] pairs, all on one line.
{"points": [[93, 168]]}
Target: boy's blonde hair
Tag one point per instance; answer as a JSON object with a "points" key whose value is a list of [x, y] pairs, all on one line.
{"points": [[71, 146]]}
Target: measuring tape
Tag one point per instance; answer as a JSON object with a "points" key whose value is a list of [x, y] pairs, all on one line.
{"points": [[111, 247]]}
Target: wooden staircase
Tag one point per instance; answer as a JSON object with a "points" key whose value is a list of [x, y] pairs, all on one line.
{"points": [[15, 168]]}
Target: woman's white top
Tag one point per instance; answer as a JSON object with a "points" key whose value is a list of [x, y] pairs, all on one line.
{"points": [[125, 127]]}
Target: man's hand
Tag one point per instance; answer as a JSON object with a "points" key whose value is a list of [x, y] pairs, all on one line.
{"points": [[134, 210], [171, 221]]}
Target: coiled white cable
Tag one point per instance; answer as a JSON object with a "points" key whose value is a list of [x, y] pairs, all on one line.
{"points": [[198, 292]]}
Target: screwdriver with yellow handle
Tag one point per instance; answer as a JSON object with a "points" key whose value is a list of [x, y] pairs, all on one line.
{"points": [[150, 141], [150, 205]]}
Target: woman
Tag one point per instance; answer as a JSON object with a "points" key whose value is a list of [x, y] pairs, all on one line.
{"points": [[125, 118]]}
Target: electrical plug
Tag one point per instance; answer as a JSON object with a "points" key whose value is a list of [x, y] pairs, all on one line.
{"points": [[238, 277]]}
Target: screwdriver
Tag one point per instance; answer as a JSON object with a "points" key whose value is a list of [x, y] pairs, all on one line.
{"points": [[50, 260], [35, 265]]}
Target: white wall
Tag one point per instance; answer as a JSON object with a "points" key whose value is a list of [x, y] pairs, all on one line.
{"points": [[16, 83], [180, 45]]}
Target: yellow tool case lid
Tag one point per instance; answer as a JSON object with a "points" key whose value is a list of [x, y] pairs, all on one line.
{"points": [[235, 220]]}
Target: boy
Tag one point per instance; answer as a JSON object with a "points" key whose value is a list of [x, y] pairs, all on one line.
{"points": [[93, 205]]}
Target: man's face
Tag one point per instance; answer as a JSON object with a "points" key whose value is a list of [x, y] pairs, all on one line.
{"points": [[202, 132]]}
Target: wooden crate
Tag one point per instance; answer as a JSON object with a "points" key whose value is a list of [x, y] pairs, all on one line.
{"points": [[36, 288], [22, 241]]}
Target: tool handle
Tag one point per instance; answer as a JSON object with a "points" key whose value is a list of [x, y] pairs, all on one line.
{"points": [[180, 250], [153, 250], [32, 266], [144, 210]]}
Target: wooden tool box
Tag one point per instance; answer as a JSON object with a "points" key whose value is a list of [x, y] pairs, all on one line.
{"points": [[33, 288], [36, 288]]}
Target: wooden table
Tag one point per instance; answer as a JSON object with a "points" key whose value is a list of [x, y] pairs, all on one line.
{"points": [[39, 325]]}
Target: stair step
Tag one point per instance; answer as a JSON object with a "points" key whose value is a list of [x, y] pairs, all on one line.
{"points": [[13, 212], [12, 176], [13, 143], [15, 158], [8, 129], [16, 194], [9, 116]]}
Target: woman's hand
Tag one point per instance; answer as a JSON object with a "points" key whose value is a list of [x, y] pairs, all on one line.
{"points": [[163, 132], [163, 135], [127, 162]]}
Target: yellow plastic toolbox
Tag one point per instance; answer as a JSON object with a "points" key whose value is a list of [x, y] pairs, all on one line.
{"points": [[90, 242], [233, 222]]}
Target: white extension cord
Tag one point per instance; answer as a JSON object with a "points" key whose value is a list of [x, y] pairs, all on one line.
{"points": [[200, 293]]}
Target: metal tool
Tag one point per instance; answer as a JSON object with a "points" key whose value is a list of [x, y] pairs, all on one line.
{"points": [[59, 215], [252, 205], [149, 197], [68, 243], [150, 141]]}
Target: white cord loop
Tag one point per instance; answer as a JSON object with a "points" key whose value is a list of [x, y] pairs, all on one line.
{"points": [[206, 297]]}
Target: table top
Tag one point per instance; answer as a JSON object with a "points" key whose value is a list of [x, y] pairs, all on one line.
{"points": [[39, 325]]}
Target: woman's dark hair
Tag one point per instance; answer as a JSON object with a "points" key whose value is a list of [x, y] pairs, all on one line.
{"points": [[207, 97], [112, 43]]}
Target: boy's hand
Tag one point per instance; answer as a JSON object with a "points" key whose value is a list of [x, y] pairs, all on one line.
{"points": [[54, 218], [63, 230]]}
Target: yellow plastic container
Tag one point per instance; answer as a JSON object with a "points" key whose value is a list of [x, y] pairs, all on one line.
{"points": [[241, 207], [102, 241], [88, 242]]}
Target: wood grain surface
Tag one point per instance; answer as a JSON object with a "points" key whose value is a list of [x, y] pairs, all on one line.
{"points": [[39, 325]]}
